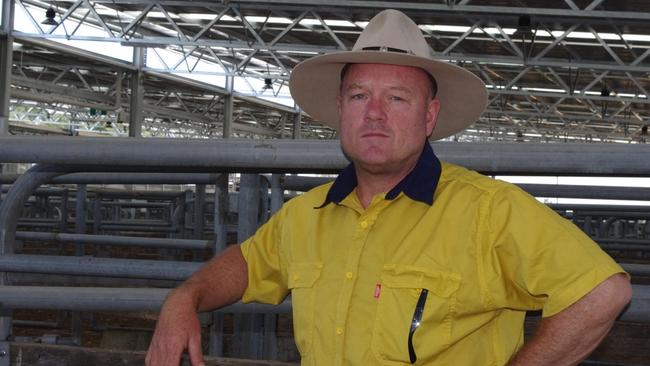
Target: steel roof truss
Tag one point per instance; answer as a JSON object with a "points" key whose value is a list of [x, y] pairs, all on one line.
{"points": [[460, 39], [329, 31], [99, 19], [135, 23]]}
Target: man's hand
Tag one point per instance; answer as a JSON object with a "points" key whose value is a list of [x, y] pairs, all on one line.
{"points": [[218, 283], [177, 329]]}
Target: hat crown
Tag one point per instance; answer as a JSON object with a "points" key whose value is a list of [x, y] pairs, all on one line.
{"points": [[392, 30]]}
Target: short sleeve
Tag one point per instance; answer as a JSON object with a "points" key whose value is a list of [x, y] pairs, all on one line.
{"points": [[536, 259], [266, 272]]}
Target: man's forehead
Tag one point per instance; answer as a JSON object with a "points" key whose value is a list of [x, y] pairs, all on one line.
{"points": [[419, 75], [407, 88]]}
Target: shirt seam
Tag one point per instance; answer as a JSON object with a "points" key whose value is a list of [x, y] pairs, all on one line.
{"points": [[481, 243]]}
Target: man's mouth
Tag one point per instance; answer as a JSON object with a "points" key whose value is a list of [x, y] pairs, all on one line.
{"points": [[374, 134]]}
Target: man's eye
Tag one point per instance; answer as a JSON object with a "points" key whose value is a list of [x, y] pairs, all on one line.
{"points": [[396, 98], [357, 96]]}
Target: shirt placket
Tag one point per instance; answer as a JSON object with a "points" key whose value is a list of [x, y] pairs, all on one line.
{"points": [[364, 225]]}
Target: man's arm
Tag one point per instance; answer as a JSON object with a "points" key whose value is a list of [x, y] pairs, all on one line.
{"points": [[569, 336], [218, 283]]}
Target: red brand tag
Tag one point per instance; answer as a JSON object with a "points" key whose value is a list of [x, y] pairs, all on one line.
{"points": [[377, 290]]}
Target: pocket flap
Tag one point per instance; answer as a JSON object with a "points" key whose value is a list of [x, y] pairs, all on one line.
{"points": [[442, 284], [304, 274]]}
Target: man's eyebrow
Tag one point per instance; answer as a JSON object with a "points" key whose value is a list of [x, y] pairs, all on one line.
{"points": [[402, 89], [396, 88], [354, 86]]}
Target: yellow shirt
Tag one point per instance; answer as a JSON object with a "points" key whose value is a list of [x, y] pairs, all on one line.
{"points": [[485, 250]]}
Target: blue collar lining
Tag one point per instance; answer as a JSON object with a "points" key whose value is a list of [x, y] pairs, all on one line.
{"points": [[419, 185]]}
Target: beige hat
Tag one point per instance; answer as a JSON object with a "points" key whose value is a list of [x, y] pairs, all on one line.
{"points": [[390, 38]]}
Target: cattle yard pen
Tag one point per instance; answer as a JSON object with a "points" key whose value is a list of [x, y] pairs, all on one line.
{"points": [[91, 228]]}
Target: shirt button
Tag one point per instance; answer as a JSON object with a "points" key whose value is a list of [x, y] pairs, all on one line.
{"points": [[363, 224], [349, 275], [296, 277], [339, 331]]}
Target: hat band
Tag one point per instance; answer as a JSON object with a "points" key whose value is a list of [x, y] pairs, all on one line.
{"points": [[387, 49]]}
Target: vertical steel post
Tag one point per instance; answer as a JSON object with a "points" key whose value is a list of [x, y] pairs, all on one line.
{"points": [[100, 250], [137, 93], [264, 212], [277, 193], [187, 214], [271, 320], [178, 222], [228, 107], [97, 213], [297, 119], [220, 242], [80, 216], [63, 224], [80, 228], [199, 218], [6, 54], [248, 341]]}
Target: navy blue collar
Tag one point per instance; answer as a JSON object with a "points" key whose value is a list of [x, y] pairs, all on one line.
{"points": [[419, 185]]}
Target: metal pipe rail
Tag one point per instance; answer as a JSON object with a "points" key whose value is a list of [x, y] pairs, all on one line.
{"points": [[139, 268], [630, 247], [115, 240], [93, 266], [587, 208], [624, 241], [138, 299], [108, 299], [42, 191], [635, 269], [114, 228], [596, 192], [229, 155], [126, 178], [303, 184], [39, 279], [614, 214]]}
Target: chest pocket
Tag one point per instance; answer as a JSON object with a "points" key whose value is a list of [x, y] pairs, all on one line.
{"points": [[302, 278], [401, 286]]}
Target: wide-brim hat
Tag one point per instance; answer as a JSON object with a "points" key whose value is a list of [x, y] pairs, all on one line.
{"points": [[393, 38]]}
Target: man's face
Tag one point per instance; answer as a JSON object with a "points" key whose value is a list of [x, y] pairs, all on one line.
{"points": [[386, 114]]}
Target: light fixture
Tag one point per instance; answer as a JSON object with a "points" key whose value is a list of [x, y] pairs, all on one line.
{"points": [[524, 26], [50, 14], [268, 84], [605, 92]]}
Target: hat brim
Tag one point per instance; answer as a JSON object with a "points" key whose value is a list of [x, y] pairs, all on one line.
{"points": [[315, 84]]}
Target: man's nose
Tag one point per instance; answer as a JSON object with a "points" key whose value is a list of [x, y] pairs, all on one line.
{"points": [[375, 109]]}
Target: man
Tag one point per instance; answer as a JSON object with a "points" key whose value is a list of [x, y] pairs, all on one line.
{"points": [[404, 259]]}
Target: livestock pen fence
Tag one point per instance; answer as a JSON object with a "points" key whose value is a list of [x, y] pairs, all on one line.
{"points": [[122, 250]]}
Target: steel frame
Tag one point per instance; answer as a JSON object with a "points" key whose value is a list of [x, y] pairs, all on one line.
{"points": [[545, 85]]}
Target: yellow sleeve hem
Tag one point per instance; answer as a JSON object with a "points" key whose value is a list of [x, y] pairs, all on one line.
{"points": [[563, 299]]}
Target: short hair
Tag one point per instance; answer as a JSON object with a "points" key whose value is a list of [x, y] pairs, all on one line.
{"points": [[433, 85]]}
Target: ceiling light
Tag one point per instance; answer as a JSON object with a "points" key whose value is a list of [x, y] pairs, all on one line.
{"points": [[50, 14]]}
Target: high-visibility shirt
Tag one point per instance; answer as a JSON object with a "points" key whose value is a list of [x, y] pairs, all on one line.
{"points": [[472, 254]]}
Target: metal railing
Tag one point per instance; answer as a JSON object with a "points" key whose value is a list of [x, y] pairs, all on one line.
{"points": [[198, 160]]}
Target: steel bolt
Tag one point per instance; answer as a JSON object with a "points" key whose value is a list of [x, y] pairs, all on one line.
{"points": [[3, 353]]}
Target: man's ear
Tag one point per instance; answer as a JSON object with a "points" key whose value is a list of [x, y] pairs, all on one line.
{"points": [[433, 108], [338, 104]]}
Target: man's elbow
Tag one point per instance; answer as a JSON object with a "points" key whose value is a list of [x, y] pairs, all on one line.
{"points": [[620, 292]]}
